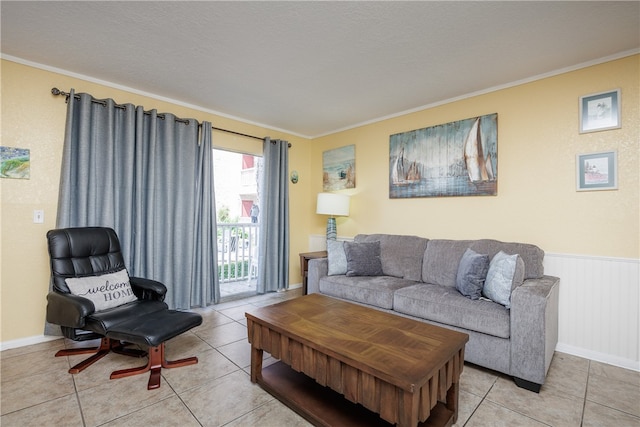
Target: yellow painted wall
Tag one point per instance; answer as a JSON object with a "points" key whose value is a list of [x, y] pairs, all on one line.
{"points": [[537, 142], [537, 201], [33, 118]]}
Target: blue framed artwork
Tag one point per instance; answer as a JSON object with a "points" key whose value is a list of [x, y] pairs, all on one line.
{"points": [[453, 159], [339, 168], [597, 171], [14, 163]]}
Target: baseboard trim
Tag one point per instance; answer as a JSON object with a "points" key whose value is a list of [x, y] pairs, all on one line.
{"points": [[38, 339], [633, 365]]}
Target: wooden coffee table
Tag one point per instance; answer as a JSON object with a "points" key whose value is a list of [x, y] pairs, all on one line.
{"points": [[404, 370]]}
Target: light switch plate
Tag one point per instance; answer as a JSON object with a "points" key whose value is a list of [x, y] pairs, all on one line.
{"points": [[38, 216]]}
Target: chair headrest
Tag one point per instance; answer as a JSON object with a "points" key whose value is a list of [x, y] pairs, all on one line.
{"points": [[81, 252]]}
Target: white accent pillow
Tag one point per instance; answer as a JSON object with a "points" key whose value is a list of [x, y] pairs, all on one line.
{"points": [[105, 291], [506, 272], [336, 258]]}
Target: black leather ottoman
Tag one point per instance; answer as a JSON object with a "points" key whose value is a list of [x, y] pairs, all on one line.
{"points": [[153, 330]]}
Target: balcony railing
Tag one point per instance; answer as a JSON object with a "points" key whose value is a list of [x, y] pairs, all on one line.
{"points": [[237, 252]]}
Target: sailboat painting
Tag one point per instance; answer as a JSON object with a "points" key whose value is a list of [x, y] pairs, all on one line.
{"points": [[453, 159]]}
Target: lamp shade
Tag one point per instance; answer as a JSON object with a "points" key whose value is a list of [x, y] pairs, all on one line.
{"points": [[332, 204]]}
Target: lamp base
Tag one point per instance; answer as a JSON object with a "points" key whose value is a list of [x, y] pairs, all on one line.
{"points": [[332, 230]]}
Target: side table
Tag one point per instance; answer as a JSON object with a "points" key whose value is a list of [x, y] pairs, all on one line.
{"points": [[304, 266]]}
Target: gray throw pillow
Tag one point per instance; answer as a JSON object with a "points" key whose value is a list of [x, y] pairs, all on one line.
{"points": [[105, 291], [506, 272], [363, 259], [336, 258], [472, 272]]}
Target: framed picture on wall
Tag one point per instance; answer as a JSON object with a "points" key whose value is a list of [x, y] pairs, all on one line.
{"points": [[600, 111], [339, 168], [597, 171], [452, 159], [15, 163]]}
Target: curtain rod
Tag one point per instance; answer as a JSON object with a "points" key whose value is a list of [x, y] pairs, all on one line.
{"points": [[57, 92], [244, 134], [237, 133]]}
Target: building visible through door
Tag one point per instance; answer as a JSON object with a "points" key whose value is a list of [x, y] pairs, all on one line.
{"points": [[238, 220]]}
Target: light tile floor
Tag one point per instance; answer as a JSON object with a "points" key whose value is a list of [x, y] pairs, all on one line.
{"points": [[36, 389]]}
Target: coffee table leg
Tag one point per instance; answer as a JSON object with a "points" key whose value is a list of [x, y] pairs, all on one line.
{"points": [[452, 400], [256, 364]]}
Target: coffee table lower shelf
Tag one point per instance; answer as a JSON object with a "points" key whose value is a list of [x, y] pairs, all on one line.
{"points": [[322, 406]]}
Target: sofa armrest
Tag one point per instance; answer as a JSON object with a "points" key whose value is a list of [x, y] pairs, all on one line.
{"points": [[68, 309], [148, 289], [534, 328], [318, 268]]}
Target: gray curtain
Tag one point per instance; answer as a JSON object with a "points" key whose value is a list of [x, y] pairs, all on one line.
{"points": [[205, 268], [150, 178], [273, 252]]}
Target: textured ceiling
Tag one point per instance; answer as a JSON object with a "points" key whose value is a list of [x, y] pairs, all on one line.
{"points": [[312, 68]]}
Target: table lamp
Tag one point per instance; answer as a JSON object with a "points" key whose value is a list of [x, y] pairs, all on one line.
{"points": [[333, 205]]}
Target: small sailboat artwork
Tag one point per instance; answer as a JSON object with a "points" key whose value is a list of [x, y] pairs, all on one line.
{"points": [[404, 172], [479, 167]]}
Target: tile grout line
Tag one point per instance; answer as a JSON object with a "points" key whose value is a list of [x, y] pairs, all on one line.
{"points": [[479, 403], [586, 391], [75, 388]]}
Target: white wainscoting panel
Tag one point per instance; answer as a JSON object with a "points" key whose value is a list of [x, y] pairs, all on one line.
{"points": [[318, 242], [599, 307]]}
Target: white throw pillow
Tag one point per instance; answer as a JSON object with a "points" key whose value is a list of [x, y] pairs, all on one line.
{"points": [[336, 258], [502, 278], [105, 291]]}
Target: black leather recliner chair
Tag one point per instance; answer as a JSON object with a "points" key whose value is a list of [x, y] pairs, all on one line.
{"points": [[88, 254]]}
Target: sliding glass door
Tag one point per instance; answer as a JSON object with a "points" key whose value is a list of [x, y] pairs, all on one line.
{"points": [[238, 218]]}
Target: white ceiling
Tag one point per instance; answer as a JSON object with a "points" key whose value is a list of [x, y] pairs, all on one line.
{"points": [[312, 68]]}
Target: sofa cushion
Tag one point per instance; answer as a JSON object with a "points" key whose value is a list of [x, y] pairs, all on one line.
{"points": [[363, 259], [506, 272], [442, 257], [373, 290], [401, 256], [472, 273], [444, 304], [336, 257]]}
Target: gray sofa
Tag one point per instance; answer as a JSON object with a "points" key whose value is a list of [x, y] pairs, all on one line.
{"points": [[418, 280]]}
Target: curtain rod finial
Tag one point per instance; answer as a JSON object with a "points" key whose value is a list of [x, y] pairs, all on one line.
{"points": [[57, 92]]}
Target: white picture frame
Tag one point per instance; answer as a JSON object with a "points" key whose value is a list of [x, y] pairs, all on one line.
{"points": [[600, 111]]}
